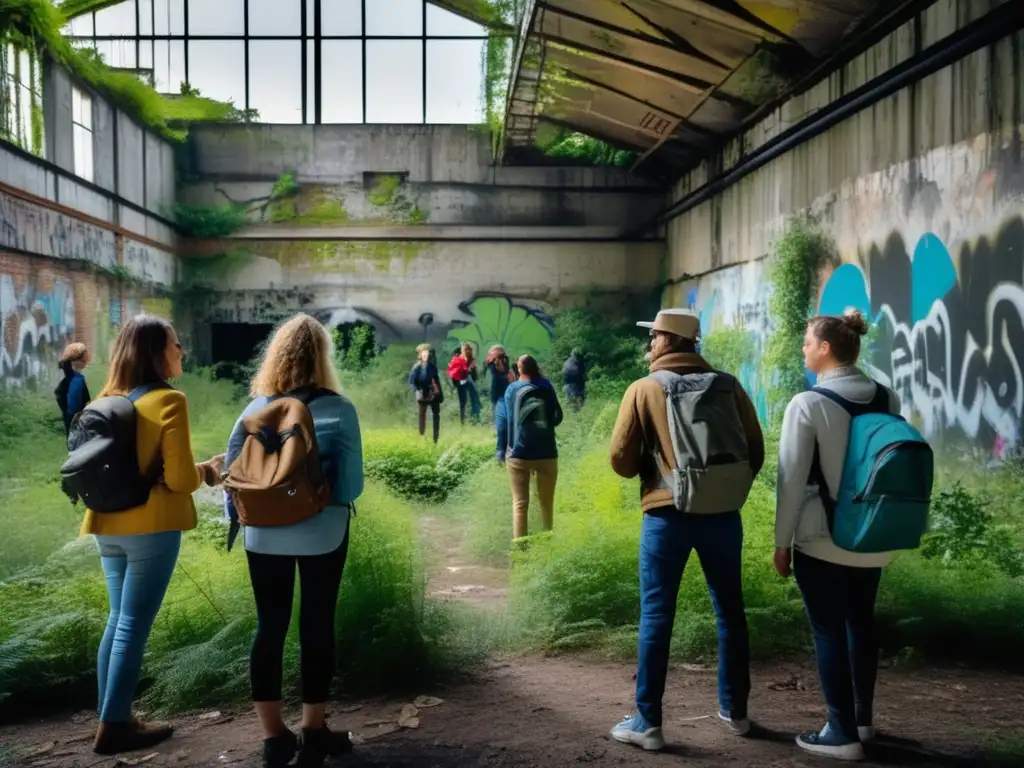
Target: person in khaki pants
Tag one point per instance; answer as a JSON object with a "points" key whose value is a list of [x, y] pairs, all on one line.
{"points": [[533, 414]]}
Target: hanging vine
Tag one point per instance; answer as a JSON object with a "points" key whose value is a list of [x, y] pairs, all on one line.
{"points": [[36, 26], [799, 255]]}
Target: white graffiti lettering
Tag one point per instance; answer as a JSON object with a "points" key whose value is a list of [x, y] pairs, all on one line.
{"points": [[924, 371]]}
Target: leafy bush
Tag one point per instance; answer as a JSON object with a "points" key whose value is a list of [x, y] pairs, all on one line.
{"points": [[963, 530], [728, 348], [614, 354], [419, 470], [209, 220], [355, 346]]}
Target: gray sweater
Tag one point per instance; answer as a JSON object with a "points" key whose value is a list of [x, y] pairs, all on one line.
{"points": [[800, 517]]}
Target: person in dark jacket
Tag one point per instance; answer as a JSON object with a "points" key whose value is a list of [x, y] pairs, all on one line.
{"points": [[426, 382], [533, 413], [501, 376], [72, 393], [574, 377]]}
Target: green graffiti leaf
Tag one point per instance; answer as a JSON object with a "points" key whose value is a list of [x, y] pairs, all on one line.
{"points": [[499, 321]]}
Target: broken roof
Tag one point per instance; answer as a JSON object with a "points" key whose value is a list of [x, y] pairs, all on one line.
{"points": [[668, 79]]}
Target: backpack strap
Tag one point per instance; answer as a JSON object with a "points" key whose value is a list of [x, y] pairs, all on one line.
{"points": [[145, 389], [879, 403], [665, 378]]}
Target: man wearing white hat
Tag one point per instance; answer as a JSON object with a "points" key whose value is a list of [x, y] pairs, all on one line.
{"points": [[692, 436]]}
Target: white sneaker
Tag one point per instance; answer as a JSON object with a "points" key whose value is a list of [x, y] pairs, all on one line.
{"points": [[739, 727], [635, 730], [866, 733]]}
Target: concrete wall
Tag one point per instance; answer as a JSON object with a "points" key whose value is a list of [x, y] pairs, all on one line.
{"points": [[923, 195], [75, 256], [412, 229]]}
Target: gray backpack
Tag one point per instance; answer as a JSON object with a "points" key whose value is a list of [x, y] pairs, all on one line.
{"points": [[709, 442]]}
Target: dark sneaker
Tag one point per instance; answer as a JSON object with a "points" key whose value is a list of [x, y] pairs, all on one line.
{"points": [[116, 738], [828, 743], [279, 750], [320, 743]]}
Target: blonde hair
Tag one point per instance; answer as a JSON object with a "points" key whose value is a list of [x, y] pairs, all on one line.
{"points": [[468, 351], [74, 352], [842, 333], [300, 354]]}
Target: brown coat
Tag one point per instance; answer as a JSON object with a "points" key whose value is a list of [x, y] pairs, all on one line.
{"points": [[643, 422]]}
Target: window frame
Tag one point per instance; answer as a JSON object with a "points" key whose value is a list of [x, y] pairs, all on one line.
{"points": [[311, 60], [80, 130]]}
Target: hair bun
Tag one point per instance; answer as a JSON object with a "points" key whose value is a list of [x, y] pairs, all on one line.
{"points": [[854, 320]]}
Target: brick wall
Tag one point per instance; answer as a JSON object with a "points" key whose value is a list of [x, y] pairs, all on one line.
{"points": [[46, 303]]}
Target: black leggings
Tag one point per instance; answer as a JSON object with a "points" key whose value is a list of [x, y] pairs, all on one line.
{"points": [[273, 585]]}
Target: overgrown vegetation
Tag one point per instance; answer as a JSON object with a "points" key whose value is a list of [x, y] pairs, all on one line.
{"points": [[36, 26], [220, 220], [53, 611], [580, 148], [798, 256], [959, 597]]}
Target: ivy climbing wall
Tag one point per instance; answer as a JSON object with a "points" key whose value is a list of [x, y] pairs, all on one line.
{"points": [[922, 197]]}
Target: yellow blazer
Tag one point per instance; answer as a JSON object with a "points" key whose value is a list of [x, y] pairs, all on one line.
{"points": [[163, 431]]}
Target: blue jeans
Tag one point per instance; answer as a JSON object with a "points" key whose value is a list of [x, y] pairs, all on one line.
{"points": [[468, 391], [501, 426], [666, 540], [840, 602], [137, 570]]}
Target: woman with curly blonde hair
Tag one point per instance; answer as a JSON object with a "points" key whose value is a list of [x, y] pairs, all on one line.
{"points": [[298, 362]]}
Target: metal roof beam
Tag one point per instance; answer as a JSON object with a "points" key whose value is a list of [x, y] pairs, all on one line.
{"points": [[737, 11], [695, 83], [675, 43], [683, 122]]}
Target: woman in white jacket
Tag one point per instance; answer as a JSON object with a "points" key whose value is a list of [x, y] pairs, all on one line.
{"points": [[839, 587]]}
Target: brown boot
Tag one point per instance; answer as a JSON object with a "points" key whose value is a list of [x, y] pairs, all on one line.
{"points": [[115, 738]]}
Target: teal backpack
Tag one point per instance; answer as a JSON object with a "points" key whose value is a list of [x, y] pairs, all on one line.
{"points": [[883, 498]]}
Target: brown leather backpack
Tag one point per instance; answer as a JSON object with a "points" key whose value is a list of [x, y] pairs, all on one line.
{"points": [[277, 478]]}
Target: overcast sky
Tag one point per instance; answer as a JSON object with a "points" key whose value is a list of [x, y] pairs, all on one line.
{"points": [[394, 68]]}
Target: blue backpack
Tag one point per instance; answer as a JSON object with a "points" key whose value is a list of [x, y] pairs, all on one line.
{"points": [[883, 498]]}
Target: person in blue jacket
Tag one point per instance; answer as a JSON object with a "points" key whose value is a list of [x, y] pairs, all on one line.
{"points": [[502, 374], [72, 392], [299, 359]]}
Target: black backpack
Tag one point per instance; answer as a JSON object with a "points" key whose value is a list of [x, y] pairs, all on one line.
{"points": [[102, 469]]}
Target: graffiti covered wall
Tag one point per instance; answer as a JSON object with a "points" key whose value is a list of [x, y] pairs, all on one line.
{"points": [[950, 331], [941, 276], [45, 304], [922, 195], [445, 292]]}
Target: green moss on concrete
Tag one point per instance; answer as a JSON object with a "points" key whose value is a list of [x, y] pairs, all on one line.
{"points": [[348, 257], [385, 191]]}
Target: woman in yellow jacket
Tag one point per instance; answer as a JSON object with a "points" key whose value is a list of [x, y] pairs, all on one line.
{"points": [[139, 547]]}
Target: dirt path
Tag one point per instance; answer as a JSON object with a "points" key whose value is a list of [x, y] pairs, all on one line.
{"points": [[557, 712], [452, 575]]}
